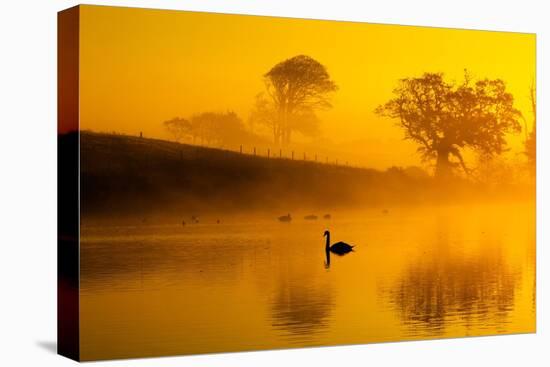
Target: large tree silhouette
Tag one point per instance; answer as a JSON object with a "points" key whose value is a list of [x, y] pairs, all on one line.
{"points": [[296, 87], [445, 118]]}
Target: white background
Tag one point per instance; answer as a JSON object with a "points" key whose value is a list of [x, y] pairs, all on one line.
{"points": [[28, 183]]}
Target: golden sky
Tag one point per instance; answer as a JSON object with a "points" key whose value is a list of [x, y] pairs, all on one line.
{"points": [[140, 67]]}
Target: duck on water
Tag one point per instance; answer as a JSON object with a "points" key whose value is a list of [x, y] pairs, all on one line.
{"points": [[285, 218]]}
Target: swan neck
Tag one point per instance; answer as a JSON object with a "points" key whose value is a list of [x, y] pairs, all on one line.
{"points": [[327, 247]]}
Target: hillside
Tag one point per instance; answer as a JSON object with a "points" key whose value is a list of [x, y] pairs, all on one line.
{"points": [[123, 174]]}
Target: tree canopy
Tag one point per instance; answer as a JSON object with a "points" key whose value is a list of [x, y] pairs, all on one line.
{"points": [[445, 118], [296, 87]]}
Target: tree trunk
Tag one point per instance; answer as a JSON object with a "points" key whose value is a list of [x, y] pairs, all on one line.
{"points": [[285, 130], [285, 138], [275, 138], [280, 127], [276, 135], [443, 168]]}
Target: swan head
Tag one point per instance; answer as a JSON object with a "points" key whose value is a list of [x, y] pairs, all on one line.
{"points": [[327, 233]]}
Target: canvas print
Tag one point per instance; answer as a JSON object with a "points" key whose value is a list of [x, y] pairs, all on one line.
{"points": [[233, 183]]}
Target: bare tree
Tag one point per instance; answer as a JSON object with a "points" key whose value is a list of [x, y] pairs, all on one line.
{"points": [[299, 85], [265, 115], [446, 118]]}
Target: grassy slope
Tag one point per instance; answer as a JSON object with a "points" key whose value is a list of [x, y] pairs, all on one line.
{"points": [[121, 174]]}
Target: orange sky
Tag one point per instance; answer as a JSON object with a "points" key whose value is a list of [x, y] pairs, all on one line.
{"points": [[140, 67]]}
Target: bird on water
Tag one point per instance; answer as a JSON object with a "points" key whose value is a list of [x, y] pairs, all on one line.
{"points": [[285, 218], [338, 248]]}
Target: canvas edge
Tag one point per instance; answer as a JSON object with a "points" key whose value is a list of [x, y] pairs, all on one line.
{"points": [[68, 226]]}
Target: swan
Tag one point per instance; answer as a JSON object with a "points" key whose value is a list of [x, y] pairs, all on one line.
{"points": [[285, 218], [338, 248], [310, 217]]}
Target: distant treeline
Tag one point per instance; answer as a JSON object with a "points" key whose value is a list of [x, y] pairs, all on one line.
{"points": [[123, 175], [212, 129]]}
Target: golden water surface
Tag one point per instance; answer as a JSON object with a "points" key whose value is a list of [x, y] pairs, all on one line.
{"points": [[253, 283]]}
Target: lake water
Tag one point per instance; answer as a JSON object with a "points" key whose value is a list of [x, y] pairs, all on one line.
{"points": [[256, 283]]}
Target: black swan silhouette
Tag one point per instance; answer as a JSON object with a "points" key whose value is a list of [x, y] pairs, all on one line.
{"points": [[338, 248]]}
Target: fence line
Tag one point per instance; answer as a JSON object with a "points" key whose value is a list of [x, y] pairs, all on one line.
{"points": [[256, 152], [251, 151]]}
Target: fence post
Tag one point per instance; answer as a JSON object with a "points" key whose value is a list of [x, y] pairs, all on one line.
{"points": [[241, 149], [267, 152], [254, 151], [304, 156], [315, 157], [292, 155], [280, 153]]}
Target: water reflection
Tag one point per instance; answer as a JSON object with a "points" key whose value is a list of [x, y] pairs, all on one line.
{"points": [[117, 263], [445, 288], [302, 298], [301, 312], [328, 256], [433, 294]]}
